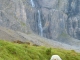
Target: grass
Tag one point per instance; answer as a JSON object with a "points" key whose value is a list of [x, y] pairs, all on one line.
{"points": [[16, 51]]}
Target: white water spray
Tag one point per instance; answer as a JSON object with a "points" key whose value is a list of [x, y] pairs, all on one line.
{"points": [[32, 3]]}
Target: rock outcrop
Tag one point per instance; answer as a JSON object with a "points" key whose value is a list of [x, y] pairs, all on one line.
{"points": [[58, 17], [52, 19]]}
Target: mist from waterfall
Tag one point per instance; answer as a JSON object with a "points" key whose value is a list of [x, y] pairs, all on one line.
{"points": [[40, 24], [32, 3]]}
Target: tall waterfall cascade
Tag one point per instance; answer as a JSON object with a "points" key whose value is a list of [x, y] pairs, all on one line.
{"points": [[39, 20], [40, 24], [32, 3]]}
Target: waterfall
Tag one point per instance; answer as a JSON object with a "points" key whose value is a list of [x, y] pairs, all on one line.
{"points": [[32, 3], [39, 19], [40, 24]]}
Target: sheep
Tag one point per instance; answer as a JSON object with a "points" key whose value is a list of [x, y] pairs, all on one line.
{"points": [[55, 57]]}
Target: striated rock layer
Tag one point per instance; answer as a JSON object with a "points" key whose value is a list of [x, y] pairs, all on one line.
{"points": [[53, 19]]}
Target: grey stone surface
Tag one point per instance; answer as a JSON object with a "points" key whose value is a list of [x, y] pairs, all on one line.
{"points": [[54, 19]]}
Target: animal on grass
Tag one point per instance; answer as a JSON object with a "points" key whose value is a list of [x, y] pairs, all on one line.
{"points": [[55, 57]]}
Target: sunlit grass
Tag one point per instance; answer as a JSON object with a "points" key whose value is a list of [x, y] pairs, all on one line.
{"points": [[15, 51]]}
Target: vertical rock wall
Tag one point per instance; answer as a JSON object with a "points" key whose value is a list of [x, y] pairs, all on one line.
{"points": [[48, 18]]}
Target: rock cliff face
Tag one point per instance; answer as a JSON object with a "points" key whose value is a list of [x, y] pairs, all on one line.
{"points": [[48, 18], [59, 17], [13, 15]]}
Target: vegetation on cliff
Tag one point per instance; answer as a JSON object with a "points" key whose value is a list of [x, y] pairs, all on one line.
{"points": [[16, 51]]}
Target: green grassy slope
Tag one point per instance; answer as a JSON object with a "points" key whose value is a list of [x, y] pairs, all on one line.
{"points": [[15, 51]]}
